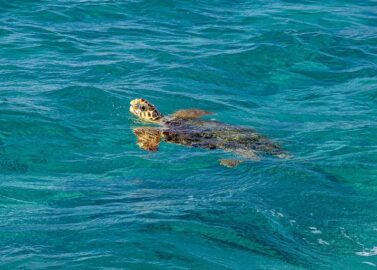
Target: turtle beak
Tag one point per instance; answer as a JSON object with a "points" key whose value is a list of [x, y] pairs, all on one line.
{"points": [[134, 108]]}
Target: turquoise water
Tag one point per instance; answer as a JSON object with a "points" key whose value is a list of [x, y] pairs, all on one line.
{"points": [[77, 193]]}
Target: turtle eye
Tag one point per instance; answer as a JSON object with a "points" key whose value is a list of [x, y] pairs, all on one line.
{"points": [[142, 108]]}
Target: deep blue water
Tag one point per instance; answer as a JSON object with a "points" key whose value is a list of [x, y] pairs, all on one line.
{"points": [[77, 193]]}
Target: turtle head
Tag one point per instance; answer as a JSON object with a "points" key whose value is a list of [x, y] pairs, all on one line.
{"points": [[145, 110]]}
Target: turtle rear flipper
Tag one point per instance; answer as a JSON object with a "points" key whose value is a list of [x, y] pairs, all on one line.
{"points": [[190, 114], [148, 138], [248, 154], [284, 155], [230, 163]]}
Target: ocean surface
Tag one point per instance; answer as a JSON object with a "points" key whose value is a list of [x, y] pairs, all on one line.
{"points": [[76, 192]]}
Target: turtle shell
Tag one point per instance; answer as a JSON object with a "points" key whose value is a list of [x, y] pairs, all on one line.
{"points": [[214, 135]]}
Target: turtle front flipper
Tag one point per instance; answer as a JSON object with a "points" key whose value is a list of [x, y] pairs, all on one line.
{"points": [[190, 114], [148, 138]]}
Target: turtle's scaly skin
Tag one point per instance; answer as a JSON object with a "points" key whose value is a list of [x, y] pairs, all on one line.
{"points": [[145, 110]]}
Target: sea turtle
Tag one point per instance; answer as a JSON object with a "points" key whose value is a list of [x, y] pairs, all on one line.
{"points": [[185, 127]]}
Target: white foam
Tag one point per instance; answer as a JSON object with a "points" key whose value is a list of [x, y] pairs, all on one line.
{"points": [[314, 230], [323, 242], [368, 252], [370, 263]]}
